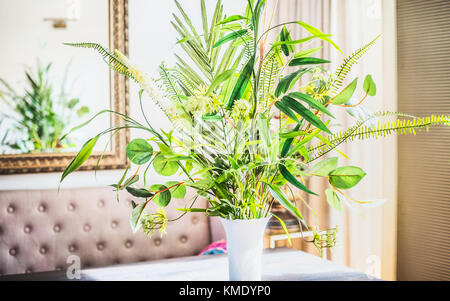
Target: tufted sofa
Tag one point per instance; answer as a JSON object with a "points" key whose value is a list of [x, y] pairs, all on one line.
{"points": [[39, 230]]}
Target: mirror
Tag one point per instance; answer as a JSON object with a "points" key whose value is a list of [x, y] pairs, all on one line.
{"points": [[47, 88]]}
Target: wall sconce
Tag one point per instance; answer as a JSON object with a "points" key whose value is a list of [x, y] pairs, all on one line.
{"points": [[72, 13]]}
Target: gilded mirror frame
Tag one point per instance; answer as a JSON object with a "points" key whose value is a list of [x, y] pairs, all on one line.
{"points": [[119, 101]]}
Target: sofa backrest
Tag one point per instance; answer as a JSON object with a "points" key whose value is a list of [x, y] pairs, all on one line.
{"points": [[40, 229]]}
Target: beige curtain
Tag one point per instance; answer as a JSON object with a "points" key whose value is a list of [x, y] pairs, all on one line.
{"points": [[366, 235]]}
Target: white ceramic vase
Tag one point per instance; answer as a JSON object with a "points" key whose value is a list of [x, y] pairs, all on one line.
{"points": [[245, 240]]}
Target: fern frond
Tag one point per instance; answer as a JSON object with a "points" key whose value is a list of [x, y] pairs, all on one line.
{"points": [[348, 63], [169, 83], [111, 59], [270, 73], [382, 129]]}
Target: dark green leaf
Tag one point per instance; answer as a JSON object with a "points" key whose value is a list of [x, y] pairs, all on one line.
{"points": [[307, 61], [346, 177], [305, 113], [230, 37], [231, 19], [311, 102], [284, 108], [285, 36], [139, 192], [276, 192], [287, 145], [139, 151], [81, 157], [242, 82], [291, 179], [286, 82]]}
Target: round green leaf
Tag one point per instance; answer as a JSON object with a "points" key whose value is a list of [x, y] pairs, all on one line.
{"points": [[346, 177], [178, 192], [161, 199], [164, 167], [369, 86], [323, 168], [139, 151]]}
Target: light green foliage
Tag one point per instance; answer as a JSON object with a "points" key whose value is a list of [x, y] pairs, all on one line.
{"points": [[244, 131]]}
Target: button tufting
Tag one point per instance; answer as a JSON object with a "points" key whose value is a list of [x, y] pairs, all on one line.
{"points": [[43, 250], [117, 261], [114, 224], [87, 227], [28, 271], [13, 251], [183, 238], [100, 246], [101, 204], [72, 248], [42, 208], [27, 229], [128, 244], [157, 241], [71, 207], [59, 268], [11, 209], [57, 228], [195, 220]]}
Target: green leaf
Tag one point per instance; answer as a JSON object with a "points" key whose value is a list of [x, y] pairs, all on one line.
{"points": [[346, 94], [285, 36], [82, 111], [191, 209], [276, 192], [287, 145], [291, 179], [164, 167], [178, 192], [285, 109], [346, 177], [311, 102], [161, 199], [230, 37], [220, 79], [369, 86], [80, 158], [323, 168], [305, 113], [283, 225], [231, 19], [318, 33], [306, 52], [136, 216], [72, 103], [139, 192], [307, 61], [300, 41], [286, 82], [292, 134], [139, 151], [242, 82], [333, 199]]}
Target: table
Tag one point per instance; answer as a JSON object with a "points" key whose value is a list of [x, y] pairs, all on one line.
{"points": [[278, 265]]}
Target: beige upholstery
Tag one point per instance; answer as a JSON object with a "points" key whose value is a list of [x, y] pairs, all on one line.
{"points": [[40, 229]]}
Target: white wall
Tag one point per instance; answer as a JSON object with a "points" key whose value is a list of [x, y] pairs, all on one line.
{"points": [[151, 40]]}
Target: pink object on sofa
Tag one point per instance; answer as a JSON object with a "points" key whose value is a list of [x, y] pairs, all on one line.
{"points": [[217, 247]]}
